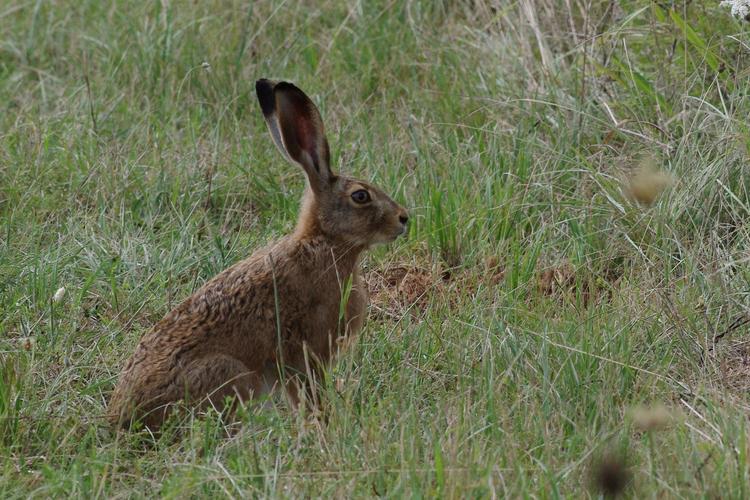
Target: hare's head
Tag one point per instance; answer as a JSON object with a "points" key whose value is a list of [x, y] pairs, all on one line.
{"points": [[342, 208]]}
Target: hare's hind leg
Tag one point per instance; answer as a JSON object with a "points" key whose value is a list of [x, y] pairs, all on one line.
{"points": [[210, 379]]}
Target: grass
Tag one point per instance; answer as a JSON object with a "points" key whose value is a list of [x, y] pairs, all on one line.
{"points": [[134, 165]]}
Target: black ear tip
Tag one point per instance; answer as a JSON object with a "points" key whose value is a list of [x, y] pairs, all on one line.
{"points": [[287, 86], [264, 90]]}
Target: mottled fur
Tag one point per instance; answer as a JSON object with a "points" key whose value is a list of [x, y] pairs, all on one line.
{"points": [[277, 312]]}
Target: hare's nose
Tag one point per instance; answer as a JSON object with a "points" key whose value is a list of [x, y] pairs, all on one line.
{"points": [[403, 218]]}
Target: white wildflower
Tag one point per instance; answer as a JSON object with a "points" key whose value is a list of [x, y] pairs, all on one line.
{"points": [[740, 8], [59, 294], [206, 66]]}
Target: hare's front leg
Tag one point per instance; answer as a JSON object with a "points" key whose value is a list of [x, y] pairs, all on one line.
{"points": [[356, 311]]}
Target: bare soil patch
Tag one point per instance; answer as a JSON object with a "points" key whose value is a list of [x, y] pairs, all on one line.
{"points": [[402, 289]]}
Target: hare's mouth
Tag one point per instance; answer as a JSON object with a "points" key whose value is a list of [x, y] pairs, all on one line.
{"points": [[401, 231], [384, 238]]}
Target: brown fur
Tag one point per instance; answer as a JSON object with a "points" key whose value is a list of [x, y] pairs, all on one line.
{"points": [[276, 312]]}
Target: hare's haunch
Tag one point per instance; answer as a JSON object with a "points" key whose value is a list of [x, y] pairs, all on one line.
{"points": [[277, 310]]}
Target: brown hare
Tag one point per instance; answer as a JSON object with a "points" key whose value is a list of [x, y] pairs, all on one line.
{"points": [[277, 314]]}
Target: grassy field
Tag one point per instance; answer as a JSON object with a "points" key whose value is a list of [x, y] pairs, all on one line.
{"points": [[537, 332]]}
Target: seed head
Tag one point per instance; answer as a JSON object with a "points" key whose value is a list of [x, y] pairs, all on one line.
{"points": [[740, 8]]}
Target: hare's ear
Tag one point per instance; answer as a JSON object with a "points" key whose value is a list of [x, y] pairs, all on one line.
{"points": [[296, 128]]}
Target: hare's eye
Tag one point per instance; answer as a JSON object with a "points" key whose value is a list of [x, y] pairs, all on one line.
{"points": [[361, 196]]}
